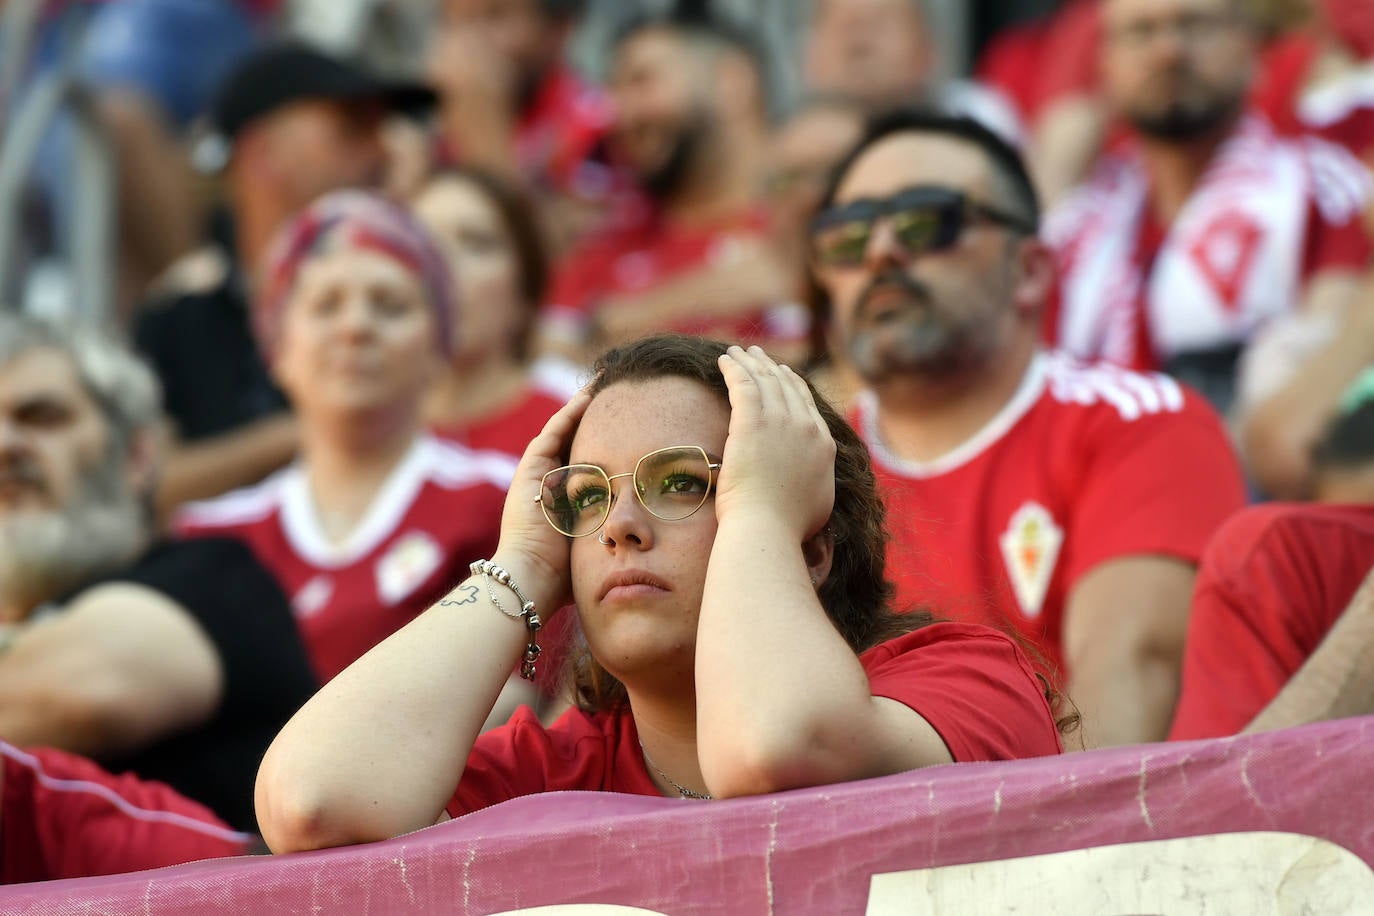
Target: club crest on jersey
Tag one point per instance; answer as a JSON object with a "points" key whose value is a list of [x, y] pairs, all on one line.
{"points": [[313, 596], [410, 561], [1030, 548]]}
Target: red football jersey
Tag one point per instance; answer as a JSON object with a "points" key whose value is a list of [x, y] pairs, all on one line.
{"points": [[1269, 215], [438, 511], [61, 816], [644, 251], [972, 684], [1086, 463], [1274, 580]]}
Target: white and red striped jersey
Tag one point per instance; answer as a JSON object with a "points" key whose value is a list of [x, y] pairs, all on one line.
{"points": [[1269, 215], [1084, 464], [439, 510]]}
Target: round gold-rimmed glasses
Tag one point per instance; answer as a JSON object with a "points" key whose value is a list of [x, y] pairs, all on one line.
{"points": [[671, 483]]}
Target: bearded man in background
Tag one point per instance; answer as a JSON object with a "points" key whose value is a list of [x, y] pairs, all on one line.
{"points": [[176, 661]]}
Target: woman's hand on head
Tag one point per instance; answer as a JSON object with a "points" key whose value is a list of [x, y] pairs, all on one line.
{"points": [[779, 456], [528, 542]]}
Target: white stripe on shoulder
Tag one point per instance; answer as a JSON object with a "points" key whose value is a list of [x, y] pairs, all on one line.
{"points": [[452, 464], [1132, 394], [1341, 185], [120, 803], [239, 507]]}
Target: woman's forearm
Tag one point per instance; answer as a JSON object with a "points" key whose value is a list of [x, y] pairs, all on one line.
{"points": [[380, 749], [780, 695]]}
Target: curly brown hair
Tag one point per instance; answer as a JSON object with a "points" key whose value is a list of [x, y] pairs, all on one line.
{"points": [[857, 595]]}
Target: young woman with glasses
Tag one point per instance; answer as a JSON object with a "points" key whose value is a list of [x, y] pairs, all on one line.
{"points": [[716, 528]]}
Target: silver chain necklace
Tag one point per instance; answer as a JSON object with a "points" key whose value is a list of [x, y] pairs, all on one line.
{"points": [[681, 789]]}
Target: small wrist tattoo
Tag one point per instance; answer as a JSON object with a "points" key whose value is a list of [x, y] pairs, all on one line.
{"points": [[470, 594]]}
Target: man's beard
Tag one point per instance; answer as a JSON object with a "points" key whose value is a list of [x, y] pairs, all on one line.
{"points": [[1180, 121], [916, 340], [668, 177], [47, 553]]}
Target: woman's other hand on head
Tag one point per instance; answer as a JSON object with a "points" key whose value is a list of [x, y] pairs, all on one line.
{"points": [[779, 457], [529, 544]]}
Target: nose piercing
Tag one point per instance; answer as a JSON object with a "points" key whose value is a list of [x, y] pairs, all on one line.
{"points": [[601, 539]]}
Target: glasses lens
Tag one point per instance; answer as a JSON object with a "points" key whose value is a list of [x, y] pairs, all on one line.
{"points": [[842, 244], [926, 228], [673, 483], [576, 498]]}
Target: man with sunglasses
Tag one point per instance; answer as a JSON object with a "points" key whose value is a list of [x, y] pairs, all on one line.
{"points": [[1206, 225], [1069, 501]]}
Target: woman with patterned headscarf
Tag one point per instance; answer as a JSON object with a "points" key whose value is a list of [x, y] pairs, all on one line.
{"points": [[376, 518]]}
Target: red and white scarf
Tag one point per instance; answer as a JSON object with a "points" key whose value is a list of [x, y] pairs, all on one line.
{"points": [[1231, 261]]}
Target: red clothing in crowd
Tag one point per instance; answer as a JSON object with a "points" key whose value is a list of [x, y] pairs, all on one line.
{"points": [[643, 251], [438, 511], [559, 136], [1046, 61], [560, 132], [61, 816], [508, 431], [1083, 465], [1269, 215], [971, 683], [1274, 580], [1342, 111]]}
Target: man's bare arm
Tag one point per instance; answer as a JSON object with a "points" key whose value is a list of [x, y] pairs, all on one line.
{"points": [[1337, 681], [1277, 434], [121, 667], [1123, 638]]}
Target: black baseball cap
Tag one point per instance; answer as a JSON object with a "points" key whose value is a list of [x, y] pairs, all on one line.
{"points": [[288, 72]]}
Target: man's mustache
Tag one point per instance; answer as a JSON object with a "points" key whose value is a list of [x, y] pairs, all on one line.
{"points": [[23, 473], [890, 280]]}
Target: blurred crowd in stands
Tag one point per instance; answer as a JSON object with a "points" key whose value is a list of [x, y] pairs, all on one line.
{"points": [[1101, 308]]}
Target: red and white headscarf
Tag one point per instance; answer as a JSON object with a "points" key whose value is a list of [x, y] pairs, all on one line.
{"points": [[354, 219]]}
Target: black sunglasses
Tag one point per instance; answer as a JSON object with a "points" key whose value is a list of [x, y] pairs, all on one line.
{"points": [[924, 218]]}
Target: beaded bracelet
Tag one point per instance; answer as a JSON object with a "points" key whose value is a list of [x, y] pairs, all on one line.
{"points": [[489, 571]]}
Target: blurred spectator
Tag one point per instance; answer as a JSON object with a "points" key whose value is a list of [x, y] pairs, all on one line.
{"points": [[805, 150], [1292, 378], [1324, 83], [487, 395], [1050, 70], [512, 106], [291, 124], [1176, 251], [690, 102], [152, 66], [881, 54], [927, 248], [176, 661], [62, 816], [377, 519], [1282, 628]]}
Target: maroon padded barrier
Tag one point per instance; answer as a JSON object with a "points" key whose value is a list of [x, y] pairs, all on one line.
{"points": [[809, 851]]}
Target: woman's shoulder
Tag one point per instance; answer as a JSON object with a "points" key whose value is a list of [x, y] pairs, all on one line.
{"points": [[944, 637], [973, 684]]}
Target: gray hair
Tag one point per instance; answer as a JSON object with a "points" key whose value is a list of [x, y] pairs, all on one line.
{"points": [[124, 388]]}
